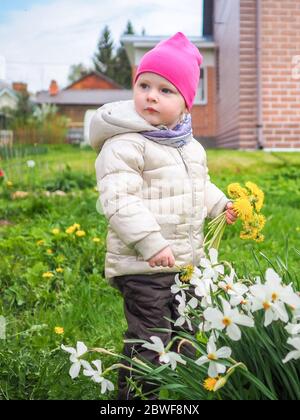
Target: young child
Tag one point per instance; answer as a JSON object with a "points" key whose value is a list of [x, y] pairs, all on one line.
{"points": [[154, 189]]}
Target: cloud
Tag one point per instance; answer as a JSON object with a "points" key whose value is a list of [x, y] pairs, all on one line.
{"points": [[42, 42]]}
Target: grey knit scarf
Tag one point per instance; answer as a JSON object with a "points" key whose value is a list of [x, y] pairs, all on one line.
{"points": [[180, 135]]}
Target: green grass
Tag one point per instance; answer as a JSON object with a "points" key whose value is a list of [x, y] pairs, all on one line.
{"points": [[32, 365]]}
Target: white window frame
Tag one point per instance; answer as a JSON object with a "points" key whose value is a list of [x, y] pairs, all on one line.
{"points": [[201, 95]]}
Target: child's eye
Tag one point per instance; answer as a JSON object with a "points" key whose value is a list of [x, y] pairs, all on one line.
{"points": [[165, 90], [143, 85]]}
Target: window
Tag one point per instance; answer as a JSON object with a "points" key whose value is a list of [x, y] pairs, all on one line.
{"points": [[201, 95]]}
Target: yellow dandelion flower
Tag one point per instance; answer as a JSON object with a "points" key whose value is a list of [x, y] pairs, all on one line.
{"points": [[298, 229], [49, 251], [248, 234], [259, 221], [9, 184], [70, 230], [59, 330], [247, 203], [80, 233], [40, 242], [210, 383], [55, 231], [59, 270], [48, 275], [257, 195], [186, 273], [256, 224], [236, 191], [96, 240], [258, 237], [243, 208]]}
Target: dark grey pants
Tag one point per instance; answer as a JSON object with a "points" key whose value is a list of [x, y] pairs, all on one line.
{"points": [[147, 301]]}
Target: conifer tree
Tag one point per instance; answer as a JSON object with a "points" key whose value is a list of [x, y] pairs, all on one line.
{"points": [[122, 67], [103, 58]]}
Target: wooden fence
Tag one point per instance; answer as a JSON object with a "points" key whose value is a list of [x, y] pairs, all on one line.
{"points": [[6, 138]]}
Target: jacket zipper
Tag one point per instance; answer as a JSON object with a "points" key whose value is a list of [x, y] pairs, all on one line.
{"points": [[193, 204]]}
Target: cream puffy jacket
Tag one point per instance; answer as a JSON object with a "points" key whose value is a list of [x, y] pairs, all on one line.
{"points": [[152, 195]]}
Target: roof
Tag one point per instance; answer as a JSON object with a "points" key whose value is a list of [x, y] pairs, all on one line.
{"points": [[4, 85], [98, 74], [147, 41], [84, 96], [8, 91]]}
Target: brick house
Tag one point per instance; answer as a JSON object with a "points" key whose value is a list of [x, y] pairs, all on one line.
{"points": [[258, 82], [249, 93], [81, 97], [9, 99]]}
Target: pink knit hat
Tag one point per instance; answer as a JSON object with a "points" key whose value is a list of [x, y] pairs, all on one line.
{"points": [[177, 60]]}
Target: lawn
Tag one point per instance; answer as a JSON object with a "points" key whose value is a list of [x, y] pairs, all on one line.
{"points": [[36, 298]]}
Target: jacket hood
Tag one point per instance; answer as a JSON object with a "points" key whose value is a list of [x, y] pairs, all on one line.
{"points": [[116, 118]]}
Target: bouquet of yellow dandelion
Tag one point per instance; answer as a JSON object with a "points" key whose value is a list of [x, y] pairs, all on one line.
{"points": [[247, 203]]}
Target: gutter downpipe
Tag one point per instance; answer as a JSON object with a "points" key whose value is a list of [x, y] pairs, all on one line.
{"points": [[259, 124]]}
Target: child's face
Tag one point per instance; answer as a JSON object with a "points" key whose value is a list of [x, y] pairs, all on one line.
{"points": [[157, 100]]}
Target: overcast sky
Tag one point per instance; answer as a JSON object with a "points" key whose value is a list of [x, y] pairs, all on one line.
{"points": [[41, 39]]}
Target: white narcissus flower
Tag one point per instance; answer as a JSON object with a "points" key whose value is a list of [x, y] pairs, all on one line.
{"points": [[184, 309], [205, 326], [229, 319], [279, 291], [213, 355], [96, 376], [238, 299], [80, 350], [228, 282], [272, 297], [212, 269], [261, 299], [293, 329], [179, 286], [204, 288], [30, 163], [164, 357], [295, 354], [296, 315], [236, 290], [197, 273]]}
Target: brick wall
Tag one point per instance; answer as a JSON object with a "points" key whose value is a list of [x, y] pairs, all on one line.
{"points": [[248, 76], [237, 107], [227, 37], [280, 82], [204, 116]]}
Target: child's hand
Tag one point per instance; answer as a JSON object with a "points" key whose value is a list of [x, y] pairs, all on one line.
{"points": [[163, 258], [231, 215]]}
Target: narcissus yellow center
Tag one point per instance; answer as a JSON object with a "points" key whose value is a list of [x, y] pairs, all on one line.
{"points": [[227, 321], [266, 306]]}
